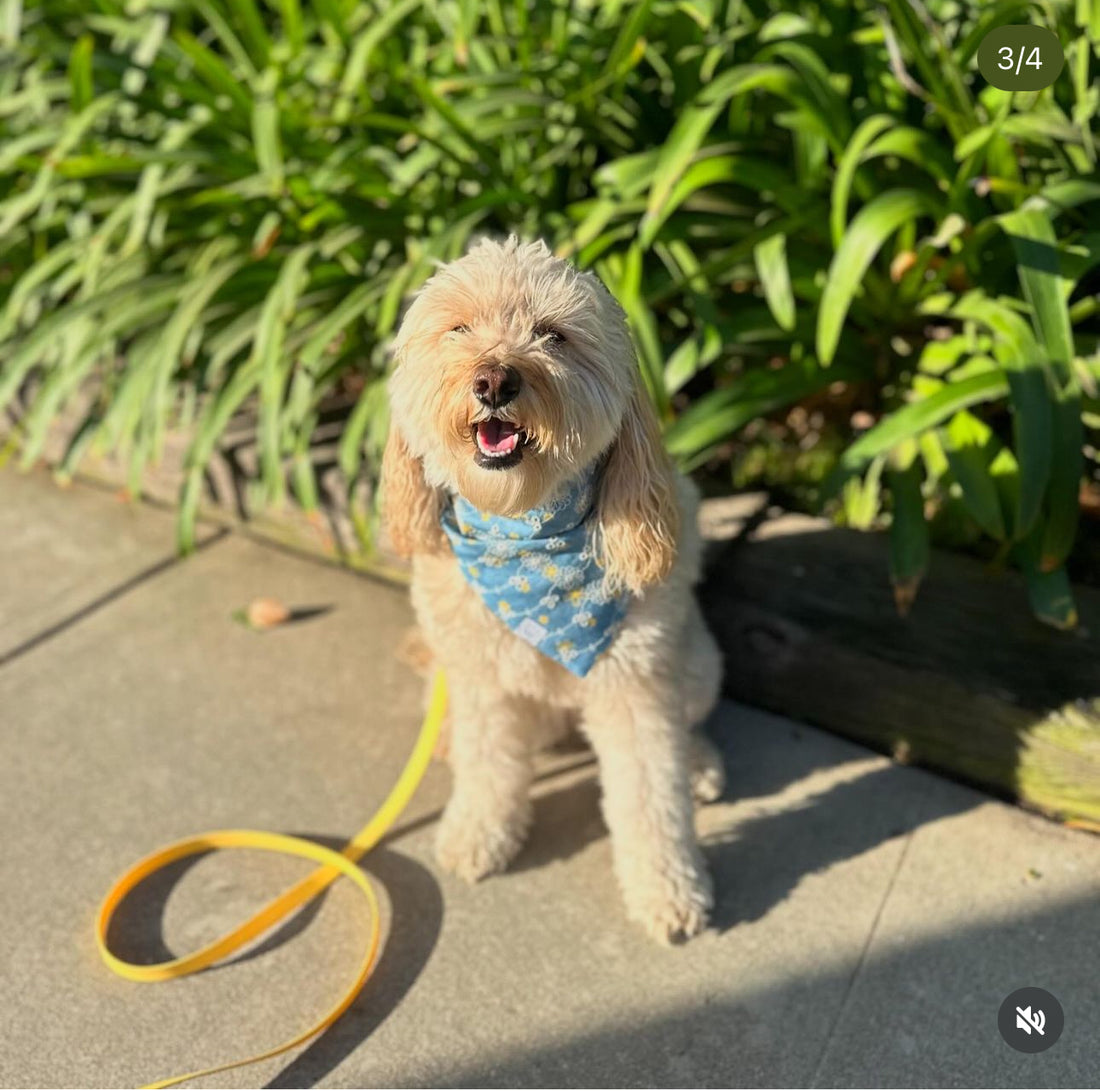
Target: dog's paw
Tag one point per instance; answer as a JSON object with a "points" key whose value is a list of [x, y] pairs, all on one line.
{"points": [[474, 848], [671, 908], [708, 770]]}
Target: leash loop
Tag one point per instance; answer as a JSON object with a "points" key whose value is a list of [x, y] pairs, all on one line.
{"points": [[333, 865]]}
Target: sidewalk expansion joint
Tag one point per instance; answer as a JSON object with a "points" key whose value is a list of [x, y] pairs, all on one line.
{"points": [[861, 961]]}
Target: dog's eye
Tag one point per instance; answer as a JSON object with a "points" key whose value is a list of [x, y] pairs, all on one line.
{"points": [[460, 329], [548, 333]]}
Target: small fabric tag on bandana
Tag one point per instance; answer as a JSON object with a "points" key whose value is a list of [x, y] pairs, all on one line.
{"points": [[537, 572]]}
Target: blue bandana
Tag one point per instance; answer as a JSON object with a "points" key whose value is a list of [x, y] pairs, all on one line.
{"points": [[539, 575]]}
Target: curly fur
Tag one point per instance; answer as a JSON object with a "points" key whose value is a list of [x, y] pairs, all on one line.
{"points": [[580, 399]]}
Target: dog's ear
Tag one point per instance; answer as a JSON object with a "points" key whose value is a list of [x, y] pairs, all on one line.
{"points": [[410, 506], [638, 518]]}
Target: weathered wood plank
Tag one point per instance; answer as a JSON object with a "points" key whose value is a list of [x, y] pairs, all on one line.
{"points": [[969, 683]]}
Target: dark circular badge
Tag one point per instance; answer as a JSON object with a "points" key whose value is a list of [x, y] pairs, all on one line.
{"points": [[1020, 58], [1030, 1020]]}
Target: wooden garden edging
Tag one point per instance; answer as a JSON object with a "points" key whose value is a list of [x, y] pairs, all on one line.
{"points": [[969, 683]]}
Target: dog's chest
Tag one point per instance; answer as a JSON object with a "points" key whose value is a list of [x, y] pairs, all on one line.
{"points": [[465, 636]]}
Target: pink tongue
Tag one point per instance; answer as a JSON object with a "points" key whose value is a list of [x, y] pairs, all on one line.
{"points": [[497, 436]]}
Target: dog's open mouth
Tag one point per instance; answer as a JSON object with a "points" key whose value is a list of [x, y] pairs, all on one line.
{"points": [[500, 443]]}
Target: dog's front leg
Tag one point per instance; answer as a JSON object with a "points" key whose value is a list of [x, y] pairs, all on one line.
{"points": [[642, 750], [486, 821]]}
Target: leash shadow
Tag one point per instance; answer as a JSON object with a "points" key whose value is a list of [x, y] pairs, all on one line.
{"points": [[416, 917], [136, 933]]}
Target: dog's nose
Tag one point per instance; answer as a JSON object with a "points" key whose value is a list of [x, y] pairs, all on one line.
{"points": [[495, 385]]}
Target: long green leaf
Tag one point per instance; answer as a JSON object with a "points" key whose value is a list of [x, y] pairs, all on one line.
{"points": [[1040, 270], [695, 122], [970, 448], [913, 419], [872, 226], [909, 534], [1024, 363], [770, 256], [846, 171], [1038, 262], [718, 415]]}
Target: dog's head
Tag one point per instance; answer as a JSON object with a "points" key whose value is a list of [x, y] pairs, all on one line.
{"points": [[514, 372]]}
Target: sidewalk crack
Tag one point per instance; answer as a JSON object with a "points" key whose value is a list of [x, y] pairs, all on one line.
{"points": [[861, 961]]}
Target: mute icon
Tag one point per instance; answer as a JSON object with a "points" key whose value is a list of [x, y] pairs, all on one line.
{"points": [[1027, 1022], [1030, 1019]]}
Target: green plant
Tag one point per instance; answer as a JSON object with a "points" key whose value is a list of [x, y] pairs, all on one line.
{"points": [[217, 206]]}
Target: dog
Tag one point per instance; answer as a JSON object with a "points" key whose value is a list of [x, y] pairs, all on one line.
{"points": [[554, 549]]}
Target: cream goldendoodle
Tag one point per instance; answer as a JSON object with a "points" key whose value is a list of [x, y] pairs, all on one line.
{"points": [[554, 551]]}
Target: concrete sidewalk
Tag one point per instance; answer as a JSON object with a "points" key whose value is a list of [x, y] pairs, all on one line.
{"points": [[871, 918]]}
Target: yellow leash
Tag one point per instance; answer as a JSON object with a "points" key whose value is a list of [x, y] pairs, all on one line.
{"points": [[333, 865]]}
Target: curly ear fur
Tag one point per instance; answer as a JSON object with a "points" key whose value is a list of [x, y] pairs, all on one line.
{"points": [[410, 506], [638, 517]]}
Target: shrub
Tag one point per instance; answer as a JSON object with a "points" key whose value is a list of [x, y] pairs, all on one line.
{"points": [[212, 205]]}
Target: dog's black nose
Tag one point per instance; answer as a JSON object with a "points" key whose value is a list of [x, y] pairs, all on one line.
{"points": [[496, 385]]}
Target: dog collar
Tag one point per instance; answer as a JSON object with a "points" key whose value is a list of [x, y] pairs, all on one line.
{"points": [[538, 573]]}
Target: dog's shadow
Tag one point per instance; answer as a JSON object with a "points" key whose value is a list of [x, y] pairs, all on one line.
{"points": [[566, 821], [759, 860]]}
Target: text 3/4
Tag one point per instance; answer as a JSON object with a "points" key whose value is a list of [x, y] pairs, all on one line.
{"points": [[1012, 60]]}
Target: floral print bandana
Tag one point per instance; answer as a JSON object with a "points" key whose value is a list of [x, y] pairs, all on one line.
{"points": [[538, 573]]}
